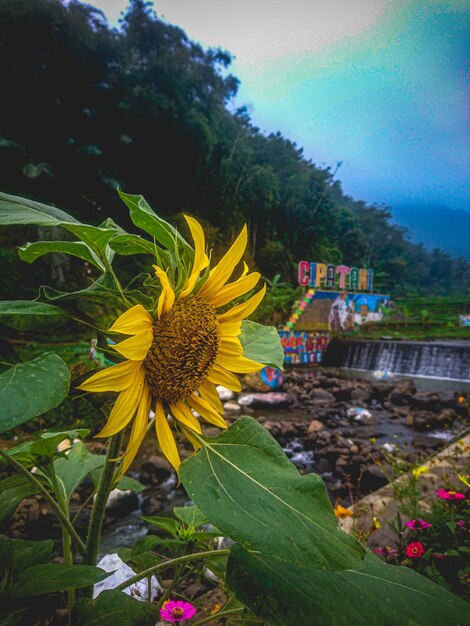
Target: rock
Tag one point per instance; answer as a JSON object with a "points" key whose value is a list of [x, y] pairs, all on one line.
{"points": [[401, 398], [426, 401], [321, 396], [224, 393], [423, 420], [446, 416], [314, 427], [155, 470], [362, 416], [405, 385], [324, 467], [427, 442], [372, 478], [261, 400], [151, 506], [232, 407], [121, 503]]}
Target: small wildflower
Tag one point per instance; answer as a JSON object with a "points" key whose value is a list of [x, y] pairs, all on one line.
{"points": [[418, 524], [461, 523], [387, 551], [415, 549], [422, 469], [461, 400], [177, 611], [373, 440], [465, 479], [450, 495], [437, 555], [216, 608], [375, 523], [342, 512]]}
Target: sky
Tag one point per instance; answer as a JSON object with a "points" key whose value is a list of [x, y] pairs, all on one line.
{"points": [[382, 86]]}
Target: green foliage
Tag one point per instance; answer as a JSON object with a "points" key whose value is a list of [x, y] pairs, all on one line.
{"points": [[114, 606], [27, 315], [248, 488], [261, 343], [285, 594], [29, 389]]}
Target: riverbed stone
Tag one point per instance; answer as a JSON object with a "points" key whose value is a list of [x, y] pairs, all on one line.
{"points": [[315, 426], [274, 399], [232, 407], [321, 396], [224, 393]]}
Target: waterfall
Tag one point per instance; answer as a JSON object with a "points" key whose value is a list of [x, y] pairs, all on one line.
{"points": [[433, 359]]}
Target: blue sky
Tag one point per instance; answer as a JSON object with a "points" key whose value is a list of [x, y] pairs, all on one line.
{"points": [[381, 85]]}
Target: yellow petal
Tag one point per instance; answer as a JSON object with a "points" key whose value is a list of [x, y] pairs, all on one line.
{"points": [[209, 393], [135, 348], [230, 346], [183, 414], [165, 437], [114, 378], [230, 328], [238, 364], [139, 429], [219, 376], [133, 321], [192, 440], [223, 270], [125, 406], [206, 410], [243, 310], [201, 260], [167, 297], [233, 290], [245, 270]]}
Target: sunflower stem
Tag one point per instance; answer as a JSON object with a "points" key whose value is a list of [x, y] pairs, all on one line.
{"points": [[170, 563], [102, 494]]}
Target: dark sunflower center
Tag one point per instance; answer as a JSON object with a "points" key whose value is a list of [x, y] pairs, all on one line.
{"points": [[184, 349]]}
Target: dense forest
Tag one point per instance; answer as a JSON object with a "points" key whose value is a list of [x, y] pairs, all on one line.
{"points": [[86, 109]]}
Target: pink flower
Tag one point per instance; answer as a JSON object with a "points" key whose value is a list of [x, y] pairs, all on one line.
{"points": [[177, 611], [415, 549], [418, 524], [436, 555], [450, 495], [387, 551], [461, 523]]}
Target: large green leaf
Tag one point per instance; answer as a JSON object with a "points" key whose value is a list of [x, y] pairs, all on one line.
{"points": [[248, 488], [376, 595], [116, 608], [16, 210], [19, 554], [52, 577], [32, 388], [75, 466], [31, 315], [45, 446], [12, 491], [262, 344], [132, 244], [190, 515], [145, 218], [32, 251], [95, 237]]}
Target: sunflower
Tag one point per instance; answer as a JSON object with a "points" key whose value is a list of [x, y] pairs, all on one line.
{"points": [[176, 357]]}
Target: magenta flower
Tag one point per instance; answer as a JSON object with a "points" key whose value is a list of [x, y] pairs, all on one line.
{"points": [[387, 551], [461, 523], [450, 495], [418, 524], [415, 549], [437, 555], [177, 611]]}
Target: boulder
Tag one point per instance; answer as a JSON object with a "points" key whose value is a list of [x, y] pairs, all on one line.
{"points": [[321, 396], [275, 399], [224, 393]]}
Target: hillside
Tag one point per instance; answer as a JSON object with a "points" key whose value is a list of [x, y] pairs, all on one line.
{"points": [[436, 226]]}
